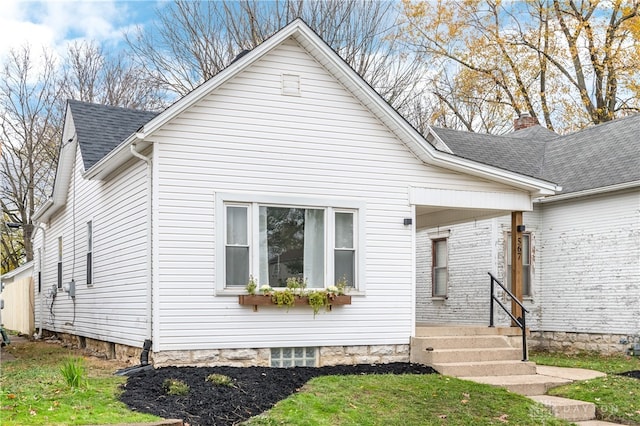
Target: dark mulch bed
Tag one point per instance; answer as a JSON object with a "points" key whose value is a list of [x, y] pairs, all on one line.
{"points": [[254, 390], [635, 374]]}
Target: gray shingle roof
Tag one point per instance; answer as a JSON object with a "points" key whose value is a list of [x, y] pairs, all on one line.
{"points": [[506, 152], [101, 128], [599, 156]]}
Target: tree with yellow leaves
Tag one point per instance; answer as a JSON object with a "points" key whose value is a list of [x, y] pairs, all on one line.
{"points": [[566, 62]]}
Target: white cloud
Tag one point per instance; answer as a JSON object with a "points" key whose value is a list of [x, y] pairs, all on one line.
{"points": [[54, 24]]}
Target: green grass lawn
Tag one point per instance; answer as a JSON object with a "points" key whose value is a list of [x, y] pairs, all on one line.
{"points": [[617, 398], [34, 392], [403, 400]]}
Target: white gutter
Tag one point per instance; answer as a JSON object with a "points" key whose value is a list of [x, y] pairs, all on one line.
{"points": [[149, 298], [588, 192]]}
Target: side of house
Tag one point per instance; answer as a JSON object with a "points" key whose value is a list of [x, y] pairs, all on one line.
{"points": [[93, 269]]}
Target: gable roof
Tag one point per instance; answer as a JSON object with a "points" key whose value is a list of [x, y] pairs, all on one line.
{"points": [[601, 156], [100, 128], [101, 161]]}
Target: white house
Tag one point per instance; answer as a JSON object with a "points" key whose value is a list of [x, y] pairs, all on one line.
{"points": [[157, 221], [581, 246]]}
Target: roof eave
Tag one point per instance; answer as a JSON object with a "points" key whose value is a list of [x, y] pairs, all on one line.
{"points": [[592, 191]]}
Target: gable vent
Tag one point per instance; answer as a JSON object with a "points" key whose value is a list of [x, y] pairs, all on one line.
{"points": [[291, 84]]}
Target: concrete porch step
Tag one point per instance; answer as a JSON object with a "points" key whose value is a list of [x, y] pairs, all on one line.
{"points": [[471, 355], [460, 342], [485, 368], [465, 330], [528, 384], [567, 409]]}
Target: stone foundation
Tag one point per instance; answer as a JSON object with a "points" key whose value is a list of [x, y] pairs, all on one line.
{"points": [[560, 341], [327, 355], [100, 348]]}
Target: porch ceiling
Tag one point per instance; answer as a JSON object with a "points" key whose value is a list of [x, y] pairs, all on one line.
{"points": [[435, 216]]}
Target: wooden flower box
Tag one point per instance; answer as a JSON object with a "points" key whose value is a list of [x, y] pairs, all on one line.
{"points": [[262, 300]]}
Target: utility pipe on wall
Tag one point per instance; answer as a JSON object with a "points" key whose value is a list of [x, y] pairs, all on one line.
{"points": [[147, 160], [41, 269]]}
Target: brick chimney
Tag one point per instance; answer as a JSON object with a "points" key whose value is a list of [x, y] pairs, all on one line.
{"points": [[524, 121]]}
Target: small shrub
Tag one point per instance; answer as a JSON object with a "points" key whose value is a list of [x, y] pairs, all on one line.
{"points": [[73, 371], [175, 387], [220, 380]]}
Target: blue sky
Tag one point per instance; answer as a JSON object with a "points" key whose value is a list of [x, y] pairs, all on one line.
{"points": [[56, 23]]}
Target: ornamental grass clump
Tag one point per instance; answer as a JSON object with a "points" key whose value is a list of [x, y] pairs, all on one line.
{"points": [[175, 387], [220, 380], [73, 371]]}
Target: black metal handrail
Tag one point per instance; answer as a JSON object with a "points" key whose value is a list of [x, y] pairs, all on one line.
{"points": [[521, 322]]}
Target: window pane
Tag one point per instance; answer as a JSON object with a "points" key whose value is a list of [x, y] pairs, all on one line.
{"points": [[440, 282], [525, 249], [294, 245], [440, 248], [89, 236], [344, 230], [345, 266], [237, 225], [237, 266]]}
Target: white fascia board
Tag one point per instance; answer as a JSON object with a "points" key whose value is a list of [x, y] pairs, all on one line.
{"points": [[589, 192], [64, 169], [466, 199]]}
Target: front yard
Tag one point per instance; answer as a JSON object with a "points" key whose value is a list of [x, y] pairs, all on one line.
{"points": [[34, 392]]}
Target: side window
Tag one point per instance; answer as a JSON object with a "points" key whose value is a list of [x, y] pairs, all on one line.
{"points": [[440, 275], [526, 263], [59, 262], [237, 248], [90, 252], [345, 248], [39, 270]]}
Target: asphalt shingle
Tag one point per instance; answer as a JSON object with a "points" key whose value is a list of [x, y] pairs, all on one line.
{"points": [[598, 156], [101, 128]]}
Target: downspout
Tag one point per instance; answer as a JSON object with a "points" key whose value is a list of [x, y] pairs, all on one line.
{"points": [[41, 269], [149, 307]]}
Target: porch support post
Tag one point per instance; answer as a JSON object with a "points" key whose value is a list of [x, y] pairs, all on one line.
{"points": [[516, 262]]}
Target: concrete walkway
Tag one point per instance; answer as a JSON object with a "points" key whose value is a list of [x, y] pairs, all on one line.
{"points": [[536, 387]]}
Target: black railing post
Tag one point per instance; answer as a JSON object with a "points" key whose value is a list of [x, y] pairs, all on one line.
{"points": [[521, 322], [524, 335], [491, 305]]}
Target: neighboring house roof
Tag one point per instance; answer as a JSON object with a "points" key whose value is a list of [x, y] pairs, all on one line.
{"points": [[101, 128], [597, 157], [509, 153]]}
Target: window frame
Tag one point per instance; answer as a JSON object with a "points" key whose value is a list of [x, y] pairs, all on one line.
{"points": [[89, 257], [59, 264], [255, 201], [434, 242], [39, 269], [507, 264]]}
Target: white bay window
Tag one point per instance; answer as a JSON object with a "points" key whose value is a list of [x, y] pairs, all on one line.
{"points": [[273, 242]]}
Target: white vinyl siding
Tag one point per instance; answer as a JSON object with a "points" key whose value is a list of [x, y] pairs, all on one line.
{"points": [[113, 308], [246, 138]]}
